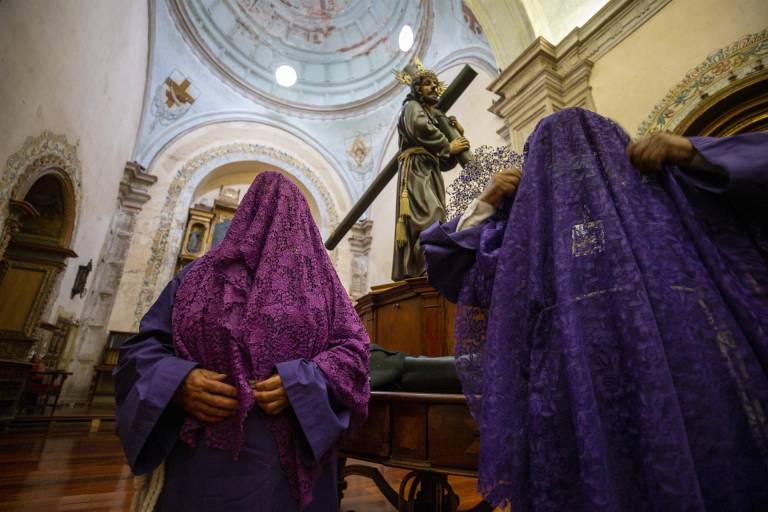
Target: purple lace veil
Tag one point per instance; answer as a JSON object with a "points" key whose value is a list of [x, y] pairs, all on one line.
{"points": [[611, 336], [268, 293]]}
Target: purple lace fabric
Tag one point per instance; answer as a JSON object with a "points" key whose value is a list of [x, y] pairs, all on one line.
{"points": [[267, 294], [612, 337], [474, 176]]}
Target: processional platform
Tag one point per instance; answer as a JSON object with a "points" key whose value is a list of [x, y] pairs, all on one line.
{"points": [[409, 316], [431, 434]]}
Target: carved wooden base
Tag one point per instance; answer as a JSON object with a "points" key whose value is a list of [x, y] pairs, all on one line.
{"points": [[420, 491]]}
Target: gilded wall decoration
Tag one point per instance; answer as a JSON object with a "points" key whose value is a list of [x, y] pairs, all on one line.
{"points": [[167, 237], [742, 58], [24, 167], [173, 98]]}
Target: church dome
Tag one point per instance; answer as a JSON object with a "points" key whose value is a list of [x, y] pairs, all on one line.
{"points": [[343, 51]]}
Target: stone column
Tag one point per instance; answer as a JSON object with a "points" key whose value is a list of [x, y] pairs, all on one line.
{"points": [[360, 242], [133, 194]]}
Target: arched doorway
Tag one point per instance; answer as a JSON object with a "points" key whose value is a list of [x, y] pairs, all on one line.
{"points": [[741, 108], [40, 227], [215, 200]]}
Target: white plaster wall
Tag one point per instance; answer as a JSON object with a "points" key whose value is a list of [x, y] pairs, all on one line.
{"points": [[76, 68], [480, 128], [506, 25], [635, 75], [169, 163], [554, 19]]}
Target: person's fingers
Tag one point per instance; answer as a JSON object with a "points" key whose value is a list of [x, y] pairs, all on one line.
{"points": [[509, 180], [214, 411], [639, 150], [210, 374], [274, 382], [630, 149], [274, 407], [644, 156], [633, 150], [269, 396], [220, 402], [655, 157], [510, 177], [206, 418], [219, 388]]}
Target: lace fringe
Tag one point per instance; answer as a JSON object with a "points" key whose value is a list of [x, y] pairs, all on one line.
{"points": [[147, 490]]}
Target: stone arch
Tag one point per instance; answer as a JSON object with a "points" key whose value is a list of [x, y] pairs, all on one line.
{"points": [[182, 167], [45, 155]]}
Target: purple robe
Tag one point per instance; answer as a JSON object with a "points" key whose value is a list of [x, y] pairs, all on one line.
{"points": [[204, 478], [620, 360]]}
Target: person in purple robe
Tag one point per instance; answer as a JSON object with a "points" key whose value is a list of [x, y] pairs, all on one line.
{"points": [[246, 370], [612, 327]]}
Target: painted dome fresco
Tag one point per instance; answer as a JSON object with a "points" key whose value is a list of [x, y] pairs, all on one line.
{"points": [[343, 51]]}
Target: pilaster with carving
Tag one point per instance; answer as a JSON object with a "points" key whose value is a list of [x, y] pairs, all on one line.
{"points": [[132, 195], [360, 243]]}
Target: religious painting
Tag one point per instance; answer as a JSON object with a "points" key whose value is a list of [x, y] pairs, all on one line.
{"points": [[195, 240]]}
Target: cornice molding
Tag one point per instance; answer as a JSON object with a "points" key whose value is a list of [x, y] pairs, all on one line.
{"points": [[546, 77]]}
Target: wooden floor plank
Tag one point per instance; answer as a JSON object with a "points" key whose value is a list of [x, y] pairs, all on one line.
{"points": [[80, 471]]}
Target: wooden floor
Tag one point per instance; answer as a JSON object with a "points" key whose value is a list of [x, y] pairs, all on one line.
{"points": [[76, 470]]}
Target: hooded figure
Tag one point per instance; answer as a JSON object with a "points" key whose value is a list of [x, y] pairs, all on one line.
{"points": [[264, 302], [612, 333]]}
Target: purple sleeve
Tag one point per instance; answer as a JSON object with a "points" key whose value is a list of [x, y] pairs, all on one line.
{"points": [[321, 417], [146, 378], [450, 254], [743, 157]]}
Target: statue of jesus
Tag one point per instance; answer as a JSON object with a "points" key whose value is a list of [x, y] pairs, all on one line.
{"points": [[425, 153]]}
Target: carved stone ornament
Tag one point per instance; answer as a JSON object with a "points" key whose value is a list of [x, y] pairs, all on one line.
{"points": [[717, 73], [359, 151]]}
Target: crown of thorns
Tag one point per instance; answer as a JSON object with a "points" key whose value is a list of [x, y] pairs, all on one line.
{"points": [[415, 71]]}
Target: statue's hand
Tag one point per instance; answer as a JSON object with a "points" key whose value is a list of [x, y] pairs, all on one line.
{"points": [[455, 123], [458, 145], [503, 184]]}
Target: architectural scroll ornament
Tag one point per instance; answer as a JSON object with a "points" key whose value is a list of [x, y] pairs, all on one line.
{"points": [[742, 58], [164, 242], [22, 168]]}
